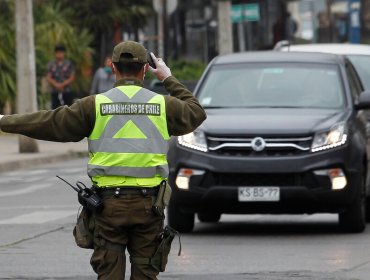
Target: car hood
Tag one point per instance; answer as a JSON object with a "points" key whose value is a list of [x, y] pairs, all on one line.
{"points": [[271, 121]]}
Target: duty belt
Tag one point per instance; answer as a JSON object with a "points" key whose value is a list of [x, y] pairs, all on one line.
{"points": [[116, 192]]}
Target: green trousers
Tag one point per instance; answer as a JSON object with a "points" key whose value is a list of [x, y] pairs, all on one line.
{"points": [[128, 222]]}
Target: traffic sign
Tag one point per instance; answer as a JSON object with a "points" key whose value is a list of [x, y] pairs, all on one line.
{"points": [[246, 12], [251, 12], [236, 13]]}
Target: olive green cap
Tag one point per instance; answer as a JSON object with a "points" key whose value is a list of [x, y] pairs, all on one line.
{"points": [[132, 48]]}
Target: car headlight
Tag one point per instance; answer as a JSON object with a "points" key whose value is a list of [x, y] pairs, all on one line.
{"points": [[335, 137], [195, 140]]}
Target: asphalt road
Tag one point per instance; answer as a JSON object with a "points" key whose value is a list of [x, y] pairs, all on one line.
{"points": [[38, 211]]}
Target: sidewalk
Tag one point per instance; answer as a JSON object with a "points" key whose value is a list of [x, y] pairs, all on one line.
{"points": [[11, 159]]}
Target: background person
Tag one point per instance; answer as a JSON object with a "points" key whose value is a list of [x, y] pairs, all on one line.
{"points": [[60, 76], [104, 78], [128, 129]]}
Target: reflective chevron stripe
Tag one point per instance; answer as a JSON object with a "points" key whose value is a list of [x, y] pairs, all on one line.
{"points": [[130, 136]]}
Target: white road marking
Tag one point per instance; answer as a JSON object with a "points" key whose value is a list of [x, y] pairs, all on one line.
{"points": [[74, 170], [36, 172], [26, 190], [10, 180], [41, 207], [38, 217]]}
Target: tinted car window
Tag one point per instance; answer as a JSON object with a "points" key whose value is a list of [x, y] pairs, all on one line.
{"points": [[273, 85], [361, 63], [353, 81]]}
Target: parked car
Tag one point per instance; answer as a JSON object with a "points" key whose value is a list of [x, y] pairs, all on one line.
{"points": [[285, 133], [359, 55]]}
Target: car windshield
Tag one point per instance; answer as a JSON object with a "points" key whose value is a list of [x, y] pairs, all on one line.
{"points": [[361, 63], [288, 85]]}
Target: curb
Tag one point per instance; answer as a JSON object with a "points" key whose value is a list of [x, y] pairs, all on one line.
{"points": [[42, 160]]}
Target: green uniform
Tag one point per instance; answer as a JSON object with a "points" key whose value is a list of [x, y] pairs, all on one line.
{"points": [[74, 123], [127, 220]]}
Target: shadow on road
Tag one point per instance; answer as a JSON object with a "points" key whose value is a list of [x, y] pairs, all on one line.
{"points": [[269, 226]]}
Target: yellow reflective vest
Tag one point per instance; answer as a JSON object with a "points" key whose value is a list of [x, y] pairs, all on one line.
{"points": [[129, 143]]}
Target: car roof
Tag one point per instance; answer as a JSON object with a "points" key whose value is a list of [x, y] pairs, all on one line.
{"points": [[275, 56], [346, 48]]}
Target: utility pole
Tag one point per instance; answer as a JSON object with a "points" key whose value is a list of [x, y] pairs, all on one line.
{"points": [[164, 8], [161, 27], [164, 29], [26, 72], [329, 3], [225, 32]]}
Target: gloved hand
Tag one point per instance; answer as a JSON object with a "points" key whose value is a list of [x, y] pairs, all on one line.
{"points": [[162, 71], [1, 116]]}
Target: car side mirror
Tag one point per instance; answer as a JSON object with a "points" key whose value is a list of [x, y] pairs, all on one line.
{"points": [[363, 102]]}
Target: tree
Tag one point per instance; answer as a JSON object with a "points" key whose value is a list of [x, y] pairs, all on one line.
{"points": [[53, 24], [7, 53], [106, 20], [26, 70]]}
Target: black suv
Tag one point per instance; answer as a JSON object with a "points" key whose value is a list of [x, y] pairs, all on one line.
{"points": [[285, 133]]}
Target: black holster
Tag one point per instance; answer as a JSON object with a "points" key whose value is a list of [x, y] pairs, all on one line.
{"points": [[163, 199], [160, 257]]}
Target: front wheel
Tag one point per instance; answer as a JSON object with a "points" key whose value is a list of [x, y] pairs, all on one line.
{"points": [[353, 219], [368, 210], [180, 220], [209, 217]]}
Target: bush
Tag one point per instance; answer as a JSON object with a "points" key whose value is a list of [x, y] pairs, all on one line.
{"points": [[183, 70], [186, 70]]}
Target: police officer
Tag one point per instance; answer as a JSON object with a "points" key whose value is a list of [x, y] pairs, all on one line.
{"points": [[128, 129]]}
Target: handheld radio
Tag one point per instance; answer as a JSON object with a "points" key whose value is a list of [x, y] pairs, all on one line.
{"points": [[150, 60], [86, 196]]}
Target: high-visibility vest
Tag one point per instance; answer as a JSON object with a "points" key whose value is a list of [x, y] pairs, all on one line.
{"points": [[129, 143]]}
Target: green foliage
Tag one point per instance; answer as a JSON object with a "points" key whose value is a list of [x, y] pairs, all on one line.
{"points": [[52, 25], [7, 53], [186, 70], [183, 70], [99, 16]]}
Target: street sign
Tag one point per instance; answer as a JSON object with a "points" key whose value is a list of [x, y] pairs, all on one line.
{"points": [[355, 22], [236, 13], [246, 12], [251, 12]]}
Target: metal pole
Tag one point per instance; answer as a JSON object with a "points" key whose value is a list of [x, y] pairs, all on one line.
{"points": [[26, 69], [161, 29], [241, 36], [331, 21], [165, 30]]}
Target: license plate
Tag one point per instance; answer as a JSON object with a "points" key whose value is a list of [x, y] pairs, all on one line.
{"points": [[258, 193]]}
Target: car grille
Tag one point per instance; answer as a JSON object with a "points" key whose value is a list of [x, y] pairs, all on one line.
{"points": [[272, 146], [265, 179], [257, 179]]}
